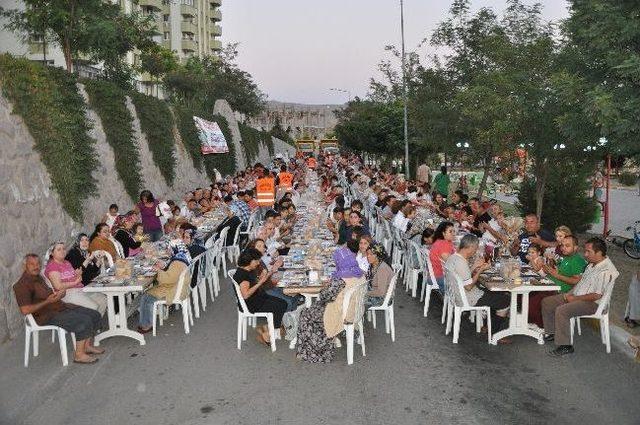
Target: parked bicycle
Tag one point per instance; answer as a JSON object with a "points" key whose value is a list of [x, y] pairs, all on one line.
{"points": [[632, 246]]}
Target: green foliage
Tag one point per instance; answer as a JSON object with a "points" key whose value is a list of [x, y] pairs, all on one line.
{"points": [[279, 132], [54, 111], [95, 29], [251, 141], [565, 198], [225, 163], [109, 102], [200, 82], [628, 179], [156, 122]]}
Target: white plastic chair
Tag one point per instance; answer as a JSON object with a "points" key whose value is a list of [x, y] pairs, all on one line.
{"points": [[429, 283], [357, 293], [199, 292], [601, 314], [458, 303], [221, 259], [244, 314], [161, 307], [233, 251], [31, 328], [118, 246], [387, 307]]}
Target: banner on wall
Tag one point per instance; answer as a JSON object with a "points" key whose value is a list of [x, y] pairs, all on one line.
{"points": [[211, 138]]}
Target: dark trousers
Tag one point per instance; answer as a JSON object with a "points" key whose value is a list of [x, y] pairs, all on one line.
{"points": [[82, 321], [535, 306], [269, 304], [495, 301]]}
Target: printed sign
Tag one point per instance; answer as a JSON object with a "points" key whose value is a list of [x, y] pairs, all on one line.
{"points": [[211, 138]]}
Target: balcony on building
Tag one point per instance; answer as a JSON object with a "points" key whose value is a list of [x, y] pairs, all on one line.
{"points": [[215, 15], [188, 26], [216, 3], [215, 30], [189, 45], [154, 4], [216, 45], [188, 9]]}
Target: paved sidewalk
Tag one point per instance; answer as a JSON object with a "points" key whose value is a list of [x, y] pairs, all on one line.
{"points": [[202, 378]]}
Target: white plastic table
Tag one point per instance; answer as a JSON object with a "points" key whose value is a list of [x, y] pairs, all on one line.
{"points": [[519, 321], [117, 321]]}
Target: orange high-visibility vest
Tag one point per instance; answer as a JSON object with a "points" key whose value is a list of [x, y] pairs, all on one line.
{"points": [[266, 191], [311, 162], [286, 180]]}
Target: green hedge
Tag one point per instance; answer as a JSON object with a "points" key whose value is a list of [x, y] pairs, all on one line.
{"points": [[225, 163], [54, 111], [156, 122], [565, 199], [628, 179], [109, 102], [251, 140]]}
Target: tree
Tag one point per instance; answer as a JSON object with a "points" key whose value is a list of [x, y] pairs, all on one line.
{"points": [[203, 81], [95, 29]]}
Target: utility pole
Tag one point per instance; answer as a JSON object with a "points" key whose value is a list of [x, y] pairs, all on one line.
{"points": [[404, 96]]}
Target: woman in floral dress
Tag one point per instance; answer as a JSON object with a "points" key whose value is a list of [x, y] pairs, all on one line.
{"points": [[313, 345]]}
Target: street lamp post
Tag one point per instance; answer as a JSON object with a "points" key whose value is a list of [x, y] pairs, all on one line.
{"points": [[404, 95]]}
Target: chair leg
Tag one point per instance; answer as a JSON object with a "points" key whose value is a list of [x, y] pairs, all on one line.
{"points": [[27, 346], [361, 329], [196, 302], [579, 327], [272, 333], [572, 322], [62, 340], [427, 299], [155, 318], [449, 319], [244, 327], [392, 323], [73, 340], [456, 324], [36, 343], [189, 312], [386, 321], [202, 288], [478, 321], [604, 329], [53, 336], [349, 330], [488, 326], [445, 302], [185, 318], [240, 327], [373, 317]]}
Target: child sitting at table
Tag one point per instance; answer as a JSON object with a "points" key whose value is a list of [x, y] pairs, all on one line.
{"points": [[536, 259]]}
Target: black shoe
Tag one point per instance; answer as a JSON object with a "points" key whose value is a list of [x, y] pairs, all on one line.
{"points": [[561, 351], [549, 337]]}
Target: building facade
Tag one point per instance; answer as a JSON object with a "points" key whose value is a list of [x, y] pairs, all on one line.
{"points": [[187, 27]]}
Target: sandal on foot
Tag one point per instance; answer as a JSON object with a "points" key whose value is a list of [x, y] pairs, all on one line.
{"points": [[93, 360]]}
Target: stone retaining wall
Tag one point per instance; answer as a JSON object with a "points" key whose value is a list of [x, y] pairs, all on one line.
{"points": [[32, 215]]}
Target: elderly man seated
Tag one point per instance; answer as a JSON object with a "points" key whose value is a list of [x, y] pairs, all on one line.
{"points": [[36, 298], [582, 300], [459, 264]]}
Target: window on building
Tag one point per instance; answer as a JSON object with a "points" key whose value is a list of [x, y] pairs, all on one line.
{"points": [[187, 36], [165, 18], [167, 35], [188, 2], [187, 18]]}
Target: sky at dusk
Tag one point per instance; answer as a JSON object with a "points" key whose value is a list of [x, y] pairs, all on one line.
{"points": [[298, 49]]}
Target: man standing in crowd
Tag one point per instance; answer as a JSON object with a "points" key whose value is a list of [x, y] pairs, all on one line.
{"points": [[423, 174], [442, 181]]}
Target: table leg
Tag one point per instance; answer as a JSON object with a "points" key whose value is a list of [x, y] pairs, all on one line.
{"points": [[518, 321], [118, 322]]}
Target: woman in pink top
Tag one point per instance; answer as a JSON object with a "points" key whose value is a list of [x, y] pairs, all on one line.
{"points": [[62, 276], [441, 249]]}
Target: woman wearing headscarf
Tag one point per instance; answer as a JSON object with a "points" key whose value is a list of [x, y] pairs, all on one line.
{"points": [[167, 284], [320, 323], [122, 232], [378, 276], [79, 257]]}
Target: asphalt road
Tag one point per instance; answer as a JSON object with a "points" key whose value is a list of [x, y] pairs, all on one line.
{"points": [[202, 378]]}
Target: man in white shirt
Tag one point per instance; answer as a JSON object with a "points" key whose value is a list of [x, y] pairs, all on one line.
{"points": [[582, 300], [423, 173]]}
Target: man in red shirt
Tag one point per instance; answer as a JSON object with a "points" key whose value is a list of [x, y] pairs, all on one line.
{"points": [[36, 298]]}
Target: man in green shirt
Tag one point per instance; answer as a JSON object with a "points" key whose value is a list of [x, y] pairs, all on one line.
{"points": [[442, 181], [570, 268]]}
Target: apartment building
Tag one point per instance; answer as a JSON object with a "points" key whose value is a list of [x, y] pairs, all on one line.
{"points": [[187, 27]]}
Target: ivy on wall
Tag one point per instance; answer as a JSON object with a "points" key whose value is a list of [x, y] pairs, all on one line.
{"points": [[48, 100], [251, 140], [225, 163], [109, 102], [156, 122]]}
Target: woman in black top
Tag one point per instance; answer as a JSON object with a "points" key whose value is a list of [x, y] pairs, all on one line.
{"points": [[80, 258], [122, 233], [251, 288]]}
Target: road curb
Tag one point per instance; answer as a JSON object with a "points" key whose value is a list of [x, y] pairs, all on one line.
{"points": [[619, 337]]}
